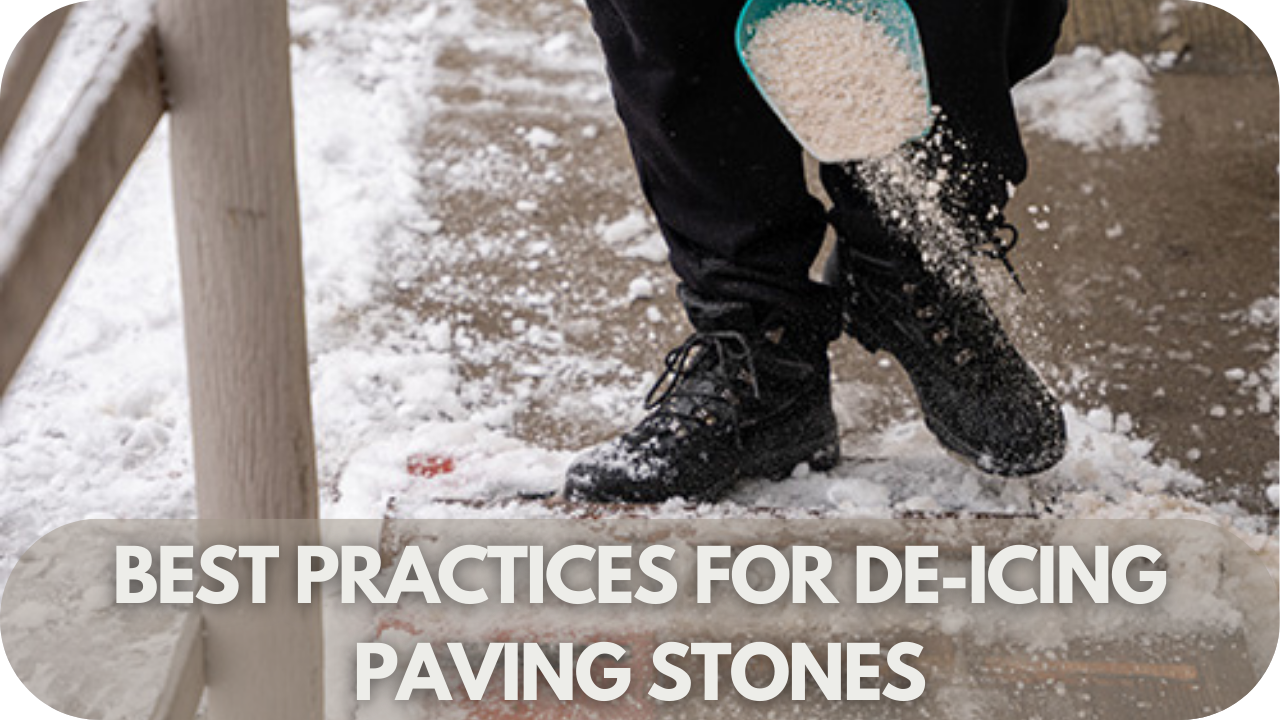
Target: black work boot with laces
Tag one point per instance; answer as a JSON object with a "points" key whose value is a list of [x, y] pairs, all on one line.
{"points": [[739, 400], [977, 394]]}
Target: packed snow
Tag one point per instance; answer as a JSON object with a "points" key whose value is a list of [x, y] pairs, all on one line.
{"points": [[1091, 99], [434, 337]]}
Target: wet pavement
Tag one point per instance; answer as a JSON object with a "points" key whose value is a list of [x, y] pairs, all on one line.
{"points": [[1153, 276], [1152, 273]]}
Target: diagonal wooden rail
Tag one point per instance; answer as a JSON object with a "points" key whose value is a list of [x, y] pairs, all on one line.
{"points": [[23, 70], [42, 236]]}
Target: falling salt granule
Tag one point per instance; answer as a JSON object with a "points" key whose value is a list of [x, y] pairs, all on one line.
{"points": [[842, 84]]}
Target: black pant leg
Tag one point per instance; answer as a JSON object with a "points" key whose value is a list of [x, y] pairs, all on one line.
{"points": [[1034, 30], [723, 176]]}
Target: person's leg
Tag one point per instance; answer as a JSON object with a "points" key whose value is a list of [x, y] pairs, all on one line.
{"points": [[723, 176], [1034, 29], [748, 395], [977, 394]]}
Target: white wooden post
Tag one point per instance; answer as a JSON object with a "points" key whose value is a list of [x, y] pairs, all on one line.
{"points": [[235, 191]]}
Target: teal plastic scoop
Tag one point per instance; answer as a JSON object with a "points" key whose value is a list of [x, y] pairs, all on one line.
{"points": [[894, 16]]}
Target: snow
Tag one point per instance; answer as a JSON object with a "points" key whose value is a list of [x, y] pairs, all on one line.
{"points": [[1092, 100], [625, 229], [633, 236], [540, 138], [96, 423], [640, 288]]}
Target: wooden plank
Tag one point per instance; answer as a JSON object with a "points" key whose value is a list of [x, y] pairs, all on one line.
{"points": [[24, 68], [239, 240], [184, 686], [541, 503], [43, 235], [1212, 37]]}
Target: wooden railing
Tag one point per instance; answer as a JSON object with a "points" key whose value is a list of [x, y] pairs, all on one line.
{"points": [[225, 83]]}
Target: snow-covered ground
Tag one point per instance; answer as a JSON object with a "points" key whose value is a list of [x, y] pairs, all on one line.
{"points": [[96, 423]]}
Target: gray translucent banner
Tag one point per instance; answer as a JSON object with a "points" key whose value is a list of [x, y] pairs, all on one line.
{"points": [[1194, 650]]}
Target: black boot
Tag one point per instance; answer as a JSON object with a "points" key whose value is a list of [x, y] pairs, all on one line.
{"points": [[978, 395], [741, 399]]}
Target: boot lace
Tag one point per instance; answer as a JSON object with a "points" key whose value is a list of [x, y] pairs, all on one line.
{"points": [[997, 246], [704, 382]]}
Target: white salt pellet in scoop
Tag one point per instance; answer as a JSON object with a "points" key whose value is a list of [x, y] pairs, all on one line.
{"points": [[843, 85]]}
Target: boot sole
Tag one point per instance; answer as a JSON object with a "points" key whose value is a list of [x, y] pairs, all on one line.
{"points": [[822, 455], [975, 459]]}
